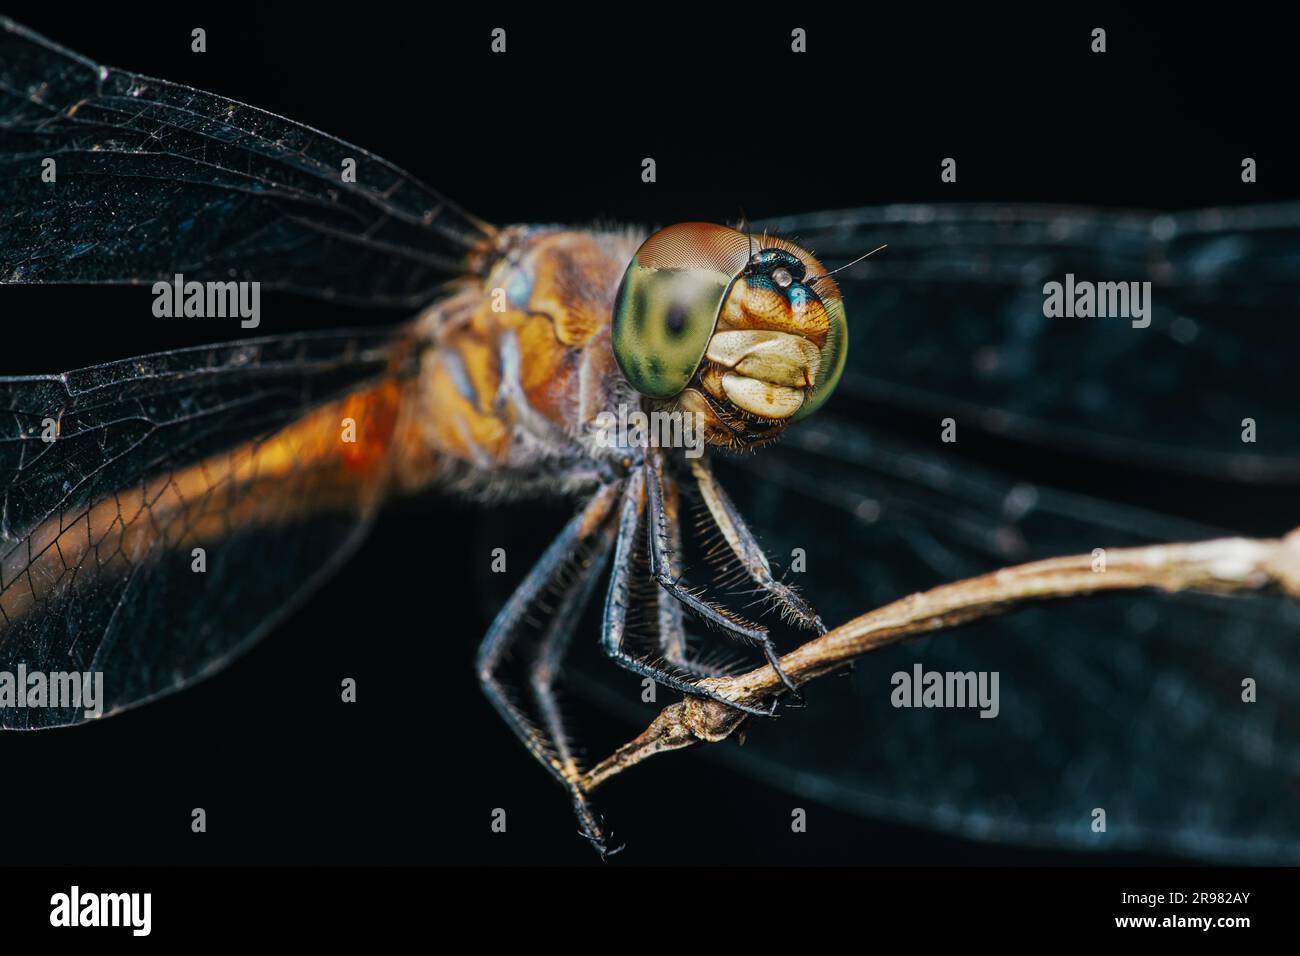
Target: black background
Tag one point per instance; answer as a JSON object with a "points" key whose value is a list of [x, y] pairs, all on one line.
{"points": [[555, 131]]}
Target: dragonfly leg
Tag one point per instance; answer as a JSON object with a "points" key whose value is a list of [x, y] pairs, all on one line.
{"points": [[661, 568], [546, 667], [741, 541], [571, 566], [672, 631], [616, 600]]}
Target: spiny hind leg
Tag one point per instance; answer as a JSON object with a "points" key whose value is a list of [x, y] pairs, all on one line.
{"points": [[570, 567], [660, 566], [735, 532], [614, 629], [670, 625], [752, 562]]}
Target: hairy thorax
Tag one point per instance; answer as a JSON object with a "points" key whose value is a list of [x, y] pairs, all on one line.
{"points": [[515, 367]]}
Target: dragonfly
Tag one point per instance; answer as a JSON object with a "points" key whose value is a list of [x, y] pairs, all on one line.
{"points": [[271, 456]]}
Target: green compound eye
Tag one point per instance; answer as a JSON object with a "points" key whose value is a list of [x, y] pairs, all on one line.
{"points": [[834, 354], [667, 305]]}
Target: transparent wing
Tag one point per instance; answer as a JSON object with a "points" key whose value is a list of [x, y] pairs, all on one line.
{"points": [[949, 320], [1129, 703], [153, 178], [1126, 703], [144, 503]]}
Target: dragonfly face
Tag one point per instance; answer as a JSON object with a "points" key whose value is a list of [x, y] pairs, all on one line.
{"points": [[112, 476], [750, 334]]}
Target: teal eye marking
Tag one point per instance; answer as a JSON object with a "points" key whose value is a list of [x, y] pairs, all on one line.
{"points": [[800, 295], [770, 261]]}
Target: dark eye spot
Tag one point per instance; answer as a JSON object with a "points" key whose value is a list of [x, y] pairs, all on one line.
{"points": [[676, 320], [640, 302]]}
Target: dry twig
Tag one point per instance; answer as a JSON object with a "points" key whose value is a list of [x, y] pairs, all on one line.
{"points": [[1224, 565]]}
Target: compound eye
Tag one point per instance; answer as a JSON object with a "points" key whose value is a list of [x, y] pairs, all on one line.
{"points": [[781, 276], [833, 357], [666, 307]]}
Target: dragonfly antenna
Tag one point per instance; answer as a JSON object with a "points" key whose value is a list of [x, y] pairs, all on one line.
{"points": [[826, 275]]}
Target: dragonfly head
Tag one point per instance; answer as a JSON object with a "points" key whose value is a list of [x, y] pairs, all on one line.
{"points": [[747, 331]]}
